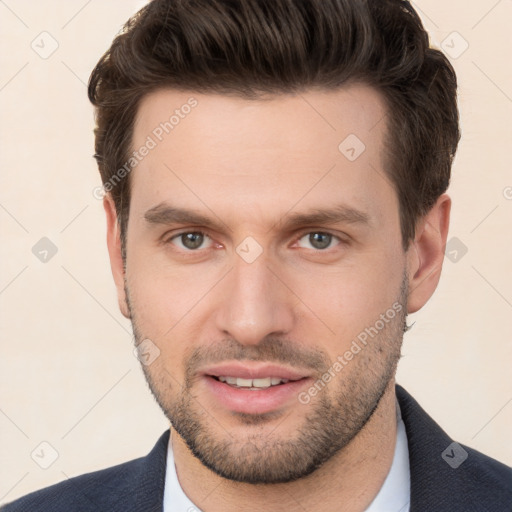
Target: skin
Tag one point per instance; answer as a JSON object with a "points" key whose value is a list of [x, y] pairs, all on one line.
{"points": [[247, 165]]}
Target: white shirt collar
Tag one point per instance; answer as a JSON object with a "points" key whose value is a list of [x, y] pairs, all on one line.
{"points": [[394, 495], [175, 500]]}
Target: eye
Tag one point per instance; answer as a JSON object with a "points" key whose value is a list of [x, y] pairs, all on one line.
{"points": [[190, 240], [318, 240]]}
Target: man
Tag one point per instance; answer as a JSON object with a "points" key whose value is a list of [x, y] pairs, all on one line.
{"points": [[274, 176]]}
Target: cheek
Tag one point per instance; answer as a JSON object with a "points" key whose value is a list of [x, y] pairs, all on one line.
{"points": [[161, 313], [353, 296], [166, 302]]}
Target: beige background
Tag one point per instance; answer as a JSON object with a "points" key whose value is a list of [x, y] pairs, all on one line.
{"points": [[68, 376]]}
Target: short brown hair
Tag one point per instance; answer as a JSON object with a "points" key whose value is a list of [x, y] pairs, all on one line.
{"points": [[252, 48]]}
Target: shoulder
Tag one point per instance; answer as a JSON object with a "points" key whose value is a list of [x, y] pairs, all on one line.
{"points": [[486, 477], [78, 493], [446, 475], [134, 485]]}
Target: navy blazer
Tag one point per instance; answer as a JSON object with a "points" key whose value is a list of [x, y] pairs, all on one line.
{"points": [[442, 478]]}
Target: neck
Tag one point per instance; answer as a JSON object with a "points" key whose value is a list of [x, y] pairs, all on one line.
{"points": [[352, 477]]}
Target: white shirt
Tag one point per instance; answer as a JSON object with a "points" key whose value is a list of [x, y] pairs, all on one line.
{"points": [[394, 495]]}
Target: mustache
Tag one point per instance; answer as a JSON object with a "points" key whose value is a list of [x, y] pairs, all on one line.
{"points": [[269, 350]]}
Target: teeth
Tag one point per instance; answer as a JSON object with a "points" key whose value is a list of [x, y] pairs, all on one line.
{"points": [[253, 383], [261, 383]]}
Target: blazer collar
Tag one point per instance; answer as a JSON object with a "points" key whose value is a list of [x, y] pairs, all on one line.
{"points": [[143, 488]]}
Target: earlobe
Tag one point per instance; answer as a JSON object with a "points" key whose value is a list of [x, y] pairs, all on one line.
{"points": [[426, 254], [114, 251]]}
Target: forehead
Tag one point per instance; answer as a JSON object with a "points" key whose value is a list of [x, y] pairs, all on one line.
{"points": [[261, 157]]}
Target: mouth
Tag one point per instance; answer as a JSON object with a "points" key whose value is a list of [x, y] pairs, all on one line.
{"points": [[253, 384], [254, 389]]}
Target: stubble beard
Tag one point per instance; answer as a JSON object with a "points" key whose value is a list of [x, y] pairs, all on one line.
{"points": [[263, 456]]}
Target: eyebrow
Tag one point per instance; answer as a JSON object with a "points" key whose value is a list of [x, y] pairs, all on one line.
{"points": [[339, 214], [164, 213], [167, 214]]}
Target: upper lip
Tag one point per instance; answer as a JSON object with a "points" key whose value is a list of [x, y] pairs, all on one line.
{"points": [[253, 371]]}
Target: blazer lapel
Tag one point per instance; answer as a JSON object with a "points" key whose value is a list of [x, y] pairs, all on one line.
{"points": [[141, 487]]}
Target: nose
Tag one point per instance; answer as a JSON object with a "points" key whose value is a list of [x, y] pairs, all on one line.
{"points": [[254, 303]]}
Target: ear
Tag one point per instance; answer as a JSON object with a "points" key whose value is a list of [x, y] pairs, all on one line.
{"points": [[114, 251], [426, 254]]}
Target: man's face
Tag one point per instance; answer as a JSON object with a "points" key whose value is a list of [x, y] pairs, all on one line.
{"points": [[254, 300]]}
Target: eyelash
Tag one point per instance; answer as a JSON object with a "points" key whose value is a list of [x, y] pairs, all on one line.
{"points": [[298, 237]]}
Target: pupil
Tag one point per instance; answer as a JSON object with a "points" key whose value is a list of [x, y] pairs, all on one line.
{"points": [[320, 240], [192, 240]]}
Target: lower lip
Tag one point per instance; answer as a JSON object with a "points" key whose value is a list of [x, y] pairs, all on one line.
{"points": [[252, 401]]}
